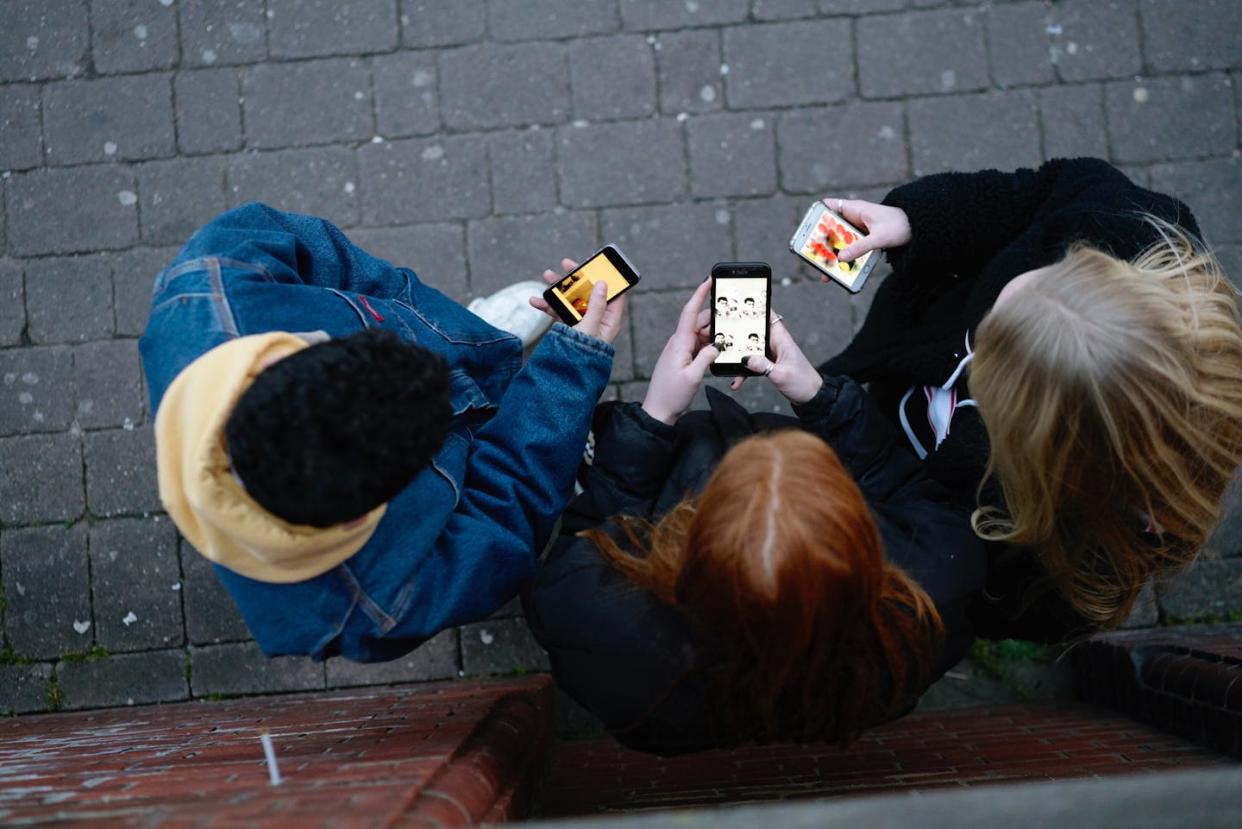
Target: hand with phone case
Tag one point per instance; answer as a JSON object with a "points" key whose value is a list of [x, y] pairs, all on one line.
{"points": [[604, 324], [683, 362], [887, 227]]}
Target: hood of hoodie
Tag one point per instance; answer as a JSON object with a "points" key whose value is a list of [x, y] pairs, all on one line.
{"points": [[206, 500]]}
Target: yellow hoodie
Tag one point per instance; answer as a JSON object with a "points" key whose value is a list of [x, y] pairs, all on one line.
{"points": [[204, 498]]}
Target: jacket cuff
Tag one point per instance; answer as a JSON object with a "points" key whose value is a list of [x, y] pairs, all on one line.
{"points": [[829, 408], [584, 341]]}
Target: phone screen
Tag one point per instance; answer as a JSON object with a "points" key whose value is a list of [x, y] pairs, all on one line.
{"points": [[739, 318], [574, 291], [830, 235]]}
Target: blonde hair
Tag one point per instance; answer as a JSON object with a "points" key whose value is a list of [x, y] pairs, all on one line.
{"points": [[1112, 396], [781, 560]]}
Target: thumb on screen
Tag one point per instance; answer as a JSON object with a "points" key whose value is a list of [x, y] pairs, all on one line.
{"points": [[595, 307]]}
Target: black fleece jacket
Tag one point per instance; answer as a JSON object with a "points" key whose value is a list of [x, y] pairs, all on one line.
{"points": [[971, 234], [639, 664]]}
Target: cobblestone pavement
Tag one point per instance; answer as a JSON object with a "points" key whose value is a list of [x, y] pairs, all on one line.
{"points": [[478, 141]]}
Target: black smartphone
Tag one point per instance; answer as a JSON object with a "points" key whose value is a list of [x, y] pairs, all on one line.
{"points": [[569, 296], [741, 294]]}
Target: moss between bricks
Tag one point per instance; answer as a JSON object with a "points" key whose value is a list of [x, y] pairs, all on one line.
{"points": [[1000, 659], [91, 654], [1210, 619], [8, 656], [53, 695]]}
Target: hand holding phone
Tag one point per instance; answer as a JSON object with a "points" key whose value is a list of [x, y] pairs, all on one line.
{"points": [[567, 297], [612, 312], [790, 372], [834, 246], [679, 371]]}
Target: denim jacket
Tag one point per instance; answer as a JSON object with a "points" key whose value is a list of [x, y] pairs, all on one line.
{"points": [[460, 540]]}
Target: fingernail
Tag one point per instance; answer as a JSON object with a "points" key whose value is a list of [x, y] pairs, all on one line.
{"points": [[746, 360], [708, 277]]}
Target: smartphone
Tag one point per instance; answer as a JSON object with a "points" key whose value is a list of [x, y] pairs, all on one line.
{"points": [[822, 234], [569, 296], [741, 294]]}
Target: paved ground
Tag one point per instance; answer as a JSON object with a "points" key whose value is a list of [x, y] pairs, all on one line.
{"points": [[479, 141]]}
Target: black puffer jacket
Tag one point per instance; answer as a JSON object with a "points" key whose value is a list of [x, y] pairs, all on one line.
{"points": [[637, 663], [971, 234]]}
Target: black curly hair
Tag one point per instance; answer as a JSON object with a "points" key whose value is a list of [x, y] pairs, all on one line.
{"points": [[327, 434]]}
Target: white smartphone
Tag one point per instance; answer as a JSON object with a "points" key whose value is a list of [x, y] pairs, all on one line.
{"points": [[822, 234]]}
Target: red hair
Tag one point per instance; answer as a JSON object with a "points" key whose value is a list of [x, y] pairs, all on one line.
{"points": [[781, 562]]}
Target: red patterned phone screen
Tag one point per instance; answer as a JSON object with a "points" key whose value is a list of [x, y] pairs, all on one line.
{"points": [[830, 236]]}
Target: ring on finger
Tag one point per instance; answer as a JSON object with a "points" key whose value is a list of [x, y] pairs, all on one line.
{"points": [[768, 370], [776, 318], [840, 205]]}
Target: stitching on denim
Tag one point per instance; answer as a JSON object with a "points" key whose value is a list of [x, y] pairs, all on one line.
{"points": [[361, 316], [203, 263], [401, 605], [369, 607], [444, 473], [322, 644], [221, 299], [448, 337], [180, 297]]}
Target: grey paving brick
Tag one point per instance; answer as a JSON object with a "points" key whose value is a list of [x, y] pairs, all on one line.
{"points": [[405, 94], [645, 15], [46, 590], [622, 370], [958, 63], [179, 196], [866, 6], [816, 315], [36, 390], [21, 142], [498, 86], [1210, 588], [653, 316], [307, 28], [108, 119], [133, 35], [41, 479], [434, 659], [973, 132], [108, 379], [672, 246], [1019, 48], [689, 66], [208, 110], [221, 31], [321, 181], [23, 688], [510, 20], [612, 77], [504, 249], [136, 584], [424, 180], [1146, 611], [1148, 120], [120, 472], [436, 252], [1226, 539], [782, 9], [12, 303], [43, 39], [762, 228], [854, 145], [1191, 34], [210, 615], [523, 167], [133, 276], [1099, 39], [1211, 189], [1073, 121], [625, 163], [732, 154], [69, 299], [69, 211], [274, 100], [433, 23], [124, 679], [772, 64], [500, 647], [243, 669]]}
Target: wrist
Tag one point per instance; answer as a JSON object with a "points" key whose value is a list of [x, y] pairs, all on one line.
{"points": [[807, 390], [660, 413]]}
